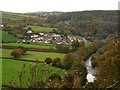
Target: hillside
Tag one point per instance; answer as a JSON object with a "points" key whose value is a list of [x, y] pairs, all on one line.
{"points": [[6, 37], [94, 24], [60, 49], [87, 23]]}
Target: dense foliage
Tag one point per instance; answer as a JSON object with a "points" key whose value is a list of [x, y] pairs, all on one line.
{"points": [[107, 62]]}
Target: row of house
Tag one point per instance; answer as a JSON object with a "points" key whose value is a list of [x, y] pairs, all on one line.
{"points": [[51, 38]]}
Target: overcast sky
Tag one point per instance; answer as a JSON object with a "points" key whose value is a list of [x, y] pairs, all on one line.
{"points": [[22, 6]]}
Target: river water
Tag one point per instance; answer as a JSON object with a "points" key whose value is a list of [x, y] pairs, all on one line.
{"points": [[90, 71]]}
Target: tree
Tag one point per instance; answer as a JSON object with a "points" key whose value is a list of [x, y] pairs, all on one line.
{"points": [[68, 81], [16, 52], [62, 48], [68, 60], [48, 60], [80, 70], [23, 49], [108, 70], [56, 62], [76, 44], [54, 76]]}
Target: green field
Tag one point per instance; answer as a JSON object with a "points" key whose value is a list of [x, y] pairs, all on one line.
{"points": [[45, 46], [11, 68], [30, 55], [14, 16], [41, 29], [7, 37]]}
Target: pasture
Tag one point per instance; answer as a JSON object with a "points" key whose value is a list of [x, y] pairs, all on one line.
{"points": [[6, 37], [11, 69], [14, 16], [44, 46], [41, 29], [31, 55]]}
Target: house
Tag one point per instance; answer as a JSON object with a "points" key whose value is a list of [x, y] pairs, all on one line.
{"points": [[1, 25], [29, 31]]}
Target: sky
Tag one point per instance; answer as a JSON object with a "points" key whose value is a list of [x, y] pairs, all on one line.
{"points": [[23, 6]]}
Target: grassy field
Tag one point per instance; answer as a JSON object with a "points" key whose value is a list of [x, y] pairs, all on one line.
{"points": [[13, 25], [7, 37], [45, 46], [11, 69], [14, 16], [30, 55], [41, 29]]}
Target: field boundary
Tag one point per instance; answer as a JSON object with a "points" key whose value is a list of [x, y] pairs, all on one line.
{"points": [[26, 60], [30, 49]]}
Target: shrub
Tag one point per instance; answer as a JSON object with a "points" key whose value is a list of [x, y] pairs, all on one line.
{"points": [[24, 50], [75, 43], [54, 76], [80, 68], [56, 62], [62, 48], [16, 52], [39, 84], [48, 60], [68, 81], [68, 60], [69, 78]]}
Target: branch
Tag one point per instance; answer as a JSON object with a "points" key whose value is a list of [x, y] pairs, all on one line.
{"points": [[112, 85]]}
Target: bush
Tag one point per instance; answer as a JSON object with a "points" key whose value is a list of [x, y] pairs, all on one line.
{"points": [[80, 69], [90, 85], [16, 52], [95, 61], [68, 78], [56, 62], [62, 48], [54, 76], [23, 49], [48, 60], [39, 84], [68, 81], [68, 60], [75, 43]]}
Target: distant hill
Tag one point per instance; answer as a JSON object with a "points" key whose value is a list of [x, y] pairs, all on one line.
{"points": [[98, 23], [44, 14], [14, 16], [95, 24]]}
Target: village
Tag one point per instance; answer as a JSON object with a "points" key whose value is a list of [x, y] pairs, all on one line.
{"points": [[51, 38]]}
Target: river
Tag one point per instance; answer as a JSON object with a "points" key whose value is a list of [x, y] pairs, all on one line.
{"points": [[90, 71]]}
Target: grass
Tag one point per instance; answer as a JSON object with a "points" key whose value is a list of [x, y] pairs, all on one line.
{"points": [[6, 37], [10, 68], [45, 46], [30, 55], [14, 16], [41, 29], [13, 25]]}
